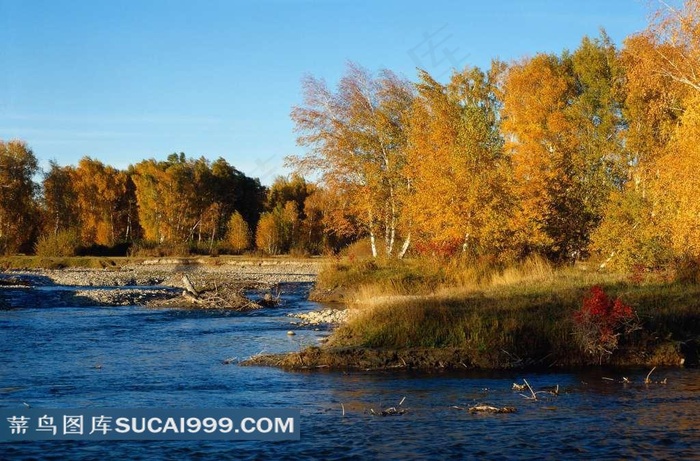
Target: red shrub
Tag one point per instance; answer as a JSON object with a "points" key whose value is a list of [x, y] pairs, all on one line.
{"points": [[600, 321]]}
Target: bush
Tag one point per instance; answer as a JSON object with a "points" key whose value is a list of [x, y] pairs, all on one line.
{"points": [[63, 243], [687, 270], [600, 322]]}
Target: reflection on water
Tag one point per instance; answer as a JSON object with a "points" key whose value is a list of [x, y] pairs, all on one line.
{"points": [[136, 357]]}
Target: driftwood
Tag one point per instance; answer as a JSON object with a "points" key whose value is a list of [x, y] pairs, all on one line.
{"points": [[482, 408], [189, 287], [647, 380], [533, 394], [271, 300], [391, 411], [231, 299], [192, 298]]}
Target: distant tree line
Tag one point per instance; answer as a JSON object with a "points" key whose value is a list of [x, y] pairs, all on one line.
{"points": [[176, 206]]}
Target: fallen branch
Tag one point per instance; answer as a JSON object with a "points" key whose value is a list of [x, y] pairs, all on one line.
{"points": [[647, 380], [191, 298], [481, 408], [188, 286], [533, 394], [391, 411]]}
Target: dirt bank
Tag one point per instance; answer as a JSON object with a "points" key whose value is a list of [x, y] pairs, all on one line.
{"points": [[439, 359]]}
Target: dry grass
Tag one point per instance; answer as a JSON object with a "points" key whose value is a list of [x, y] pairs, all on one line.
{"points": [[518, 314]]}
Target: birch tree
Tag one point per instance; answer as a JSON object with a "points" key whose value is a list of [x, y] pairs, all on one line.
{"points": [[456, 166], [356, 140]]}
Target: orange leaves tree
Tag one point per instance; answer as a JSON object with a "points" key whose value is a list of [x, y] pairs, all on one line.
{"points": [[238, 233], [18, 206], [676, 186], [533, 121], [655, 219], [455, 165], [676, 34], [167, 199], [356, 141], [59, 200], [563, 126], [99, 190], [183, 201]]}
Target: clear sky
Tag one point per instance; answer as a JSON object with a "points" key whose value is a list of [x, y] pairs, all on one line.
{"points": [[126, 80]]}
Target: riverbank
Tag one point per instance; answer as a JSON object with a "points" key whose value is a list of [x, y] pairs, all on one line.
{"points": [[217, 282], [419, 316]]}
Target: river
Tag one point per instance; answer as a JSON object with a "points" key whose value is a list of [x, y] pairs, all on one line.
{"points": [[134, 357]]}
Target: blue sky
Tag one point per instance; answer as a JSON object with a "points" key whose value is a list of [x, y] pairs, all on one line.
{"points": [[122, 80]]}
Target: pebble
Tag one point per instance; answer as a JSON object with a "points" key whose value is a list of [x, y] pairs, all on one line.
{"points": [[325, 316]]}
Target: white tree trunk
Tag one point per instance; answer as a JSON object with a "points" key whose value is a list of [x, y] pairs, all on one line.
{"points": [[372, 237], [404, 247], [373, 243]]}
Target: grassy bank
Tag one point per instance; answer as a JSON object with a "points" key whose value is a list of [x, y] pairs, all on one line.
{"points": [[426, 315]]}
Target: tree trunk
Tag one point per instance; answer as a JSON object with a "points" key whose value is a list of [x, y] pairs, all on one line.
{"points": [[404, 247], [373, 243], [372, 237], [465, 245]]}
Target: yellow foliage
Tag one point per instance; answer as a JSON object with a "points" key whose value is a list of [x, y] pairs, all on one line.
{"points": [[679, 181], [238, 233], [454, 164]]}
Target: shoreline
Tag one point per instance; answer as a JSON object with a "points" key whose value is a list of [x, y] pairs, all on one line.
{"points": [[442, 359], [159, 283], [154, 283]]}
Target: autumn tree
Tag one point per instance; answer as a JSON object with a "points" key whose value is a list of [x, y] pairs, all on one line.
{"points": [[99, 189], [289, 189], [653, 218], [535, 95], [183, 200], [235, 191], [328, 224], [676, 34], [238, 233], [268, 235], [563, 125], [676, 187], [455, 163], [18, 206], [167, 199], [675, 30], [632, 232], [59, 199], [356, 140]]}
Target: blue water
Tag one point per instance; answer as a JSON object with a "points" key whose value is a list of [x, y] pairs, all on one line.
{"points": [[126, 357]]}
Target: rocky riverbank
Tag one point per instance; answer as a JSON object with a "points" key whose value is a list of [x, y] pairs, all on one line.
{"points": [[155, 283], [325, 316]]}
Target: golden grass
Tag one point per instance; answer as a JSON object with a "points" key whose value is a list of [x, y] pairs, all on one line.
{"points": [[496, 314]]}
